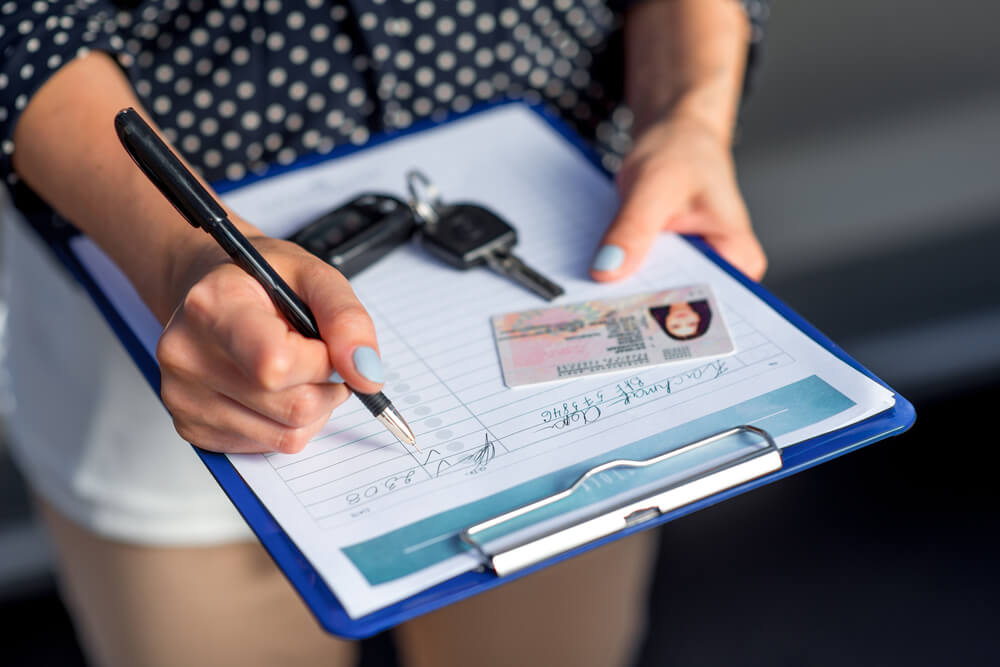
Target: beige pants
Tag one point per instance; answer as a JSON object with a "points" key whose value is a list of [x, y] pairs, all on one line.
{"points": [[229, 605]]}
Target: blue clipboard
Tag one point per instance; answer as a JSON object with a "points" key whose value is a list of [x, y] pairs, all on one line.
{"points": [[306, 581]]}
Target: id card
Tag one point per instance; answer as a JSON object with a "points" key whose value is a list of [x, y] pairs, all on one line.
{"points": [[604, 336]]}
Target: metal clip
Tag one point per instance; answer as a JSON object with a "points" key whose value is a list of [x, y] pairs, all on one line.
{"points": [[702, 484]]}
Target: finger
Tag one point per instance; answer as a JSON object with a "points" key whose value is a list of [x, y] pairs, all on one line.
{"points": [[295, 406], [213, 421], [738, 245], [649, 204], [344, 325], [212, 439], [233, 311], [732, 235], [742, 250]]}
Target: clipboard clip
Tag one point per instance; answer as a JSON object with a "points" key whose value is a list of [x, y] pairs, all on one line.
{"points": [[764, 457]]}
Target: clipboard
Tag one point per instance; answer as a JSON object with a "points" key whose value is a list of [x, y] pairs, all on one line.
{"points": [[757, 461]]}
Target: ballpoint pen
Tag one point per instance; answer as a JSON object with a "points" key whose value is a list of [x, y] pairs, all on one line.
{"points": [[201, 209]]}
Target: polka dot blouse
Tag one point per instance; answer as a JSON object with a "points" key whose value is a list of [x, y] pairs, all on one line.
{"points": [[237, 85]]}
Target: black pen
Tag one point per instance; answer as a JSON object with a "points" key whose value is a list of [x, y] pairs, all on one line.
{"points": [[201, 209]]}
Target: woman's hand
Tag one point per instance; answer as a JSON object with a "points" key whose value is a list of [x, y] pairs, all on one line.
{"points": [[233, 374], [678, 177], [236, 377], [684, 66]]}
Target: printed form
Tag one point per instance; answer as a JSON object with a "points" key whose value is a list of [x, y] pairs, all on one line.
{"points": [[380, 521]]}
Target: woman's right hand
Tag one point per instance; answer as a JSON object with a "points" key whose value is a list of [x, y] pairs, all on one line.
{"points": [[235, 376]]}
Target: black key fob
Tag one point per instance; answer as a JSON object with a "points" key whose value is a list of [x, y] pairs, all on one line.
{"points": [[357, 234], [465, 235]]}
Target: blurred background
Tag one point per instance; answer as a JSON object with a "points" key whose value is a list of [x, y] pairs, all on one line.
{"points": [[869, 155]]}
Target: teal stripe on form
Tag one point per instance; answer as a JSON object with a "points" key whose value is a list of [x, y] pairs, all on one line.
{"points": [[391, 556]]}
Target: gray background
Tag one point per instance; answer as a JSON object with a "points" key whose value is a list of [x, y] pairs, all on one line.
{"points": [[869, 154], [870, 161]]}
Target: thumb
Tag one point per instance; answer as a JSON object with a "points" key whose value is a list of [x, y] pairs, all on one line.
{"points": [[646, 208]]}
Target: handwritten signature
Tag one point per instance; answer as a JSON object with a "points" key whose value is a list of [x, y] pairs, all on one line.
{"points": [[585, 411], [473, 462], [481, 458], [635, 388]]}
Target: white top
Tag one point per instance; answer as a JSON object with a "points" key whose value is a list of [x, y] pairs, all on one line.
{"points": [[84, 426]]}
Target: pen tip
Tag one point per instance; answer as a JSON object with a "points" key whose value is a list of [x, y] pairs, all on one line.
{"points": [[394, 421]]}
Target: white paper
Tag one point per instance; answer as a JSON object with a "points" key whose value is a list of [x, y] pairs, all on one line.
{"points": [[478, 437]]}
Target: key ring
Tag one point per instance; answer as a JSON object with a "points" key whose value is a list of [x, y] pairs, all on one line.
{"points": [[427, 208]]}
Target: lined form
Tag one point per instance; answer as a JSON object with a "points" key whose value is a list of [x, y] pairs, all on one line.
{"points": [[378, 520], [469, 421]]}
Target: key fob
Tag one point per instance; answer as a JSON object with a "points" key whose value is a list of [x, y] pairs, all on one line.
{"points": [[464, 235], [357, 234]]}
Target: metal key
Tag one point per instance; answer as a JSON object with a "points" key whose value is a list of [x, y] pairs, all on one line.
{"points": [[467, 235]]}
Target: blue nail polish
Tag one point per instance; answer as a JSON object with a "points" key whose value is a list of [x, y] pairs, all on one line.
{"points": [[608, 258], [335, 377], [367, 363]]}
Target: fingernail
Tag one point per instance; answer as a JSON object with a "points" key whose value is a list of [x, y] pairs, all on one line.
{"points": [[335, 377], [367, 363], [608, 258]]}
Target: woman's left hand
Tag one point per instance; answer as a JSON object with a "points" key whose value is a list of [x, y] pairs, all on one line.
{"points": [[679, 177]]}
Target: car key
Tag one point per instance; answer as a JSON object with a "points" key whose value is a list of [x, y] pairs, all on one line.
{"points": [[466, 235], [357, 234]]}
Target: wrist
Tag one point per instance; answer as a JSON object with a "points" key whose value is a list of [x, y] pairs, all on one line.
{"points": [[685, 59], [192, 254], [700, 106]]}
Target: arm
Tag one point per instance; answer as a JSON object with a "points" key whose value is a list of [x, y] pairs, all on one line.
{"points": [[685, 61], [233, 374], [67, 151]]}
